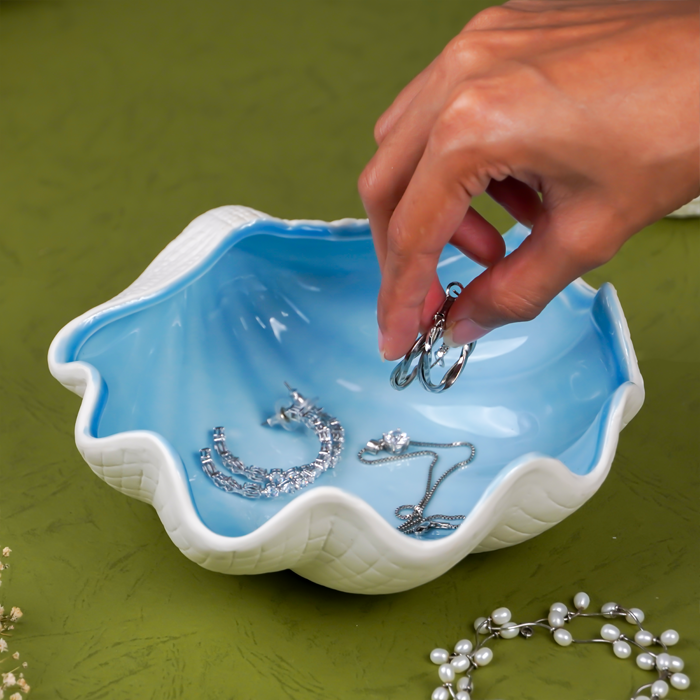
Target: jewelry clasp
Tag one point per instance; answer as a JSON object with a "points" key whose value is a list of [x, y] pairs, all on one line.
{"points": [[454, 289]]}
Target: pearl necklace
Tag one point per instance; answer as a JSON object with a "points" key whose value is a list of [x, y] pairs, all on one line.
{"points": [[468, 656]]}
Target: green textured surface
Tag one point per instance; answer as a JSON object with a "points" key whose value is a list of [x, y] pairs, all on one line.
{"points": [[120, 121]]}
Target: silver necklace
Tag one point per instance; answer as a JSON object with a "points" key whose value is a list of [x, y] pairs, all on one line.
{"points": [[397, 442]]}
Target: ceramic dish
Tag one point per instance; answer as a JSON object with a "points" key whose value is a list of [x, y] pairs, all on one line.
{"points": [[241, 302]]}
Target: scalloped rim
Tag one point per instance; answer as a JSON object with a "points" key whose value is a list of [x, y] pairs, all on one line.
{"points": [[325, 534]]}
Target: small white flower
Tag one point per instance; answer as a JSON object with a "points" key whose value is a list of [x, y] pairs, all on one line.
{"points": [[8, 679], [3, 644], [15, 655], [6, 552], [15, 696], [22, 683], [15, 614]]}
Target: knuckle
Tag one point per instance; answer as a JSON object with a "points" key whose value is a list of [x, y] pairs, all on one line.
{"points": [[477, 100], [399, 242], [472, 106], [452, 50], [382, 126], [408, 246], [369, 185], [489, 18], [485, 104], [409, 249], [468, 51], [514, 307], [379, 130], [588, 253]]}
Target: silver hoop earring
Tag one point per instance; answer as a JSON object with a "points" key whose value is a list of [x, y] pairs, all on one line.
{"points": [[423, 356], [269, 483]]}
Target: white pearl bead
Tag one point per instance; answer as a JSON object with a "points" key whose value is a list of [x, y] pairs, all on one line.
{"points": [[440, 694], [509, 631], [478, 623], [644, 638], [676, 664], [646, 661], [659, 688], [581, 601], [446, 673], [609, 609], [555, 619], [638, 614], [670, 637], [642, 697], [622, 650], [439, 656], [463, 684], [463, 695], [680, 681], [609, 632], [483, 656], [501, 615], [463, 646], [460, 663], [558, 607], [663, 661], [562, 637]]}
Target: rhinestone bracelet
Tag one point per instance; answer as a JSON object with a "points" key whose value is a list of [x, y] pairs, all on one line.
{"points": [[468, 656], [270, 483]]}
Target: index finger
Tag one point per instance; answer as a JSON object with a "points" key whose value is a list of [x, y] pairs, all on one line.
{"points": [[430, 211]]}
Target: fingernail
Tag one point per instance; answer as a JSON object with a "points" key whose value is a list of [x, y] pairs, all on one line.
{"points": [[462, 332], [380, 337]]}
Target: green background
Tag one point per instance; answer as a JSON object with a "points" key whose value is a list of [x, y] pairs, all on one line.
{"points": [[122, 120]]}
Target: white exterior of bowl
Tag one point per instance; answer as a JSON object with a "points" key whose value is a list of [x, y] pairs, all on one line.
{"points": [[326, 535]]}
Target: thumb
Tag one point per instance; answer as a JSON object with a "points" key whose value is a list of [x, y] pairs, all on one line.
{"points": [[518, 287]]}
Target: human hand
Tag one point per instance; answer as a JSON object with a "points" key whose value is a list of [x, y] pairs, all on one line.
{"points": [[595, 106]]}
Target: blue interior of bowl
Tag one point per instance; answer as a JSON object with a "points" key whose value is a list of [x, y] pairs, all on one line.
{"points": [[296, 303]]}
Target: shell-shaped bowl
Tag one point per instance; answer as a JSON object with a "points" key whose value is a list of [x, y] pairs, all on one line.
{"points": [[241, 302]]}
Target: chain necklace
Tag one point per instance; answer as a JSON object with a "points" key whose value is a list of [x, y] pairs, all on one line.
{"points": [[397, 442]]}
